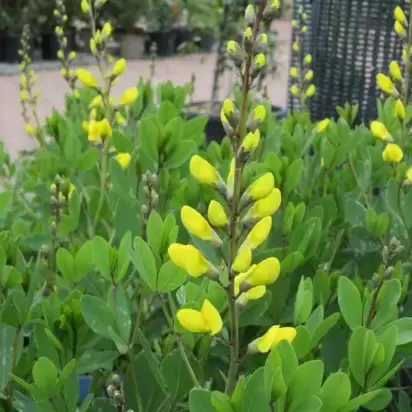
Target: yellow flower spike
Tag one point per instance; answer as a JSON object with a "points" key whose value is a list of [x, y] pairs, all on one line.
{"points": [[96, 102], [129, 96], [123, 159], [399, 110], [203, 171], [251, 141], [106, 128], [189, 258], [259, 233], [409, 175], [119, 67], [386, 84], [260, 60], [196, 224], [24, 96], [94, 131], [70, 191], [399, 29], [308, 59], [311, 90], [271, 339], [395, 70], [294, 72], [259, 113], [294, 90], [392, 153], [30, 130], [212, 317], [399, 15], [242, 261], [120, 120], [85, 6], [379, 130], [216, 214], [309, 75], [261, 187], [265, 273], [295, 46], [322, 125], [267, 205], [192, 320], [86, 78], [228, 107]]}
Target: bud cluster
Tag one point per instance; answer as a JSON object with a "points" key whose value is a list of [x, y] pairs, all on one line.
{"points": [[149, 181]]}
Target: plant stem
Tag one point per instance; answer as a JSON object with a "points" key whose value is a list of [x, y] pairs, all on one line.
{"points": [[134, 380]]}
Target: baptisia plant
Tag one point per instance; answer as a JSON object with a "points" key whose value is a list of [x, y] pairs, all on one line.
{"points": [[238, 220]]}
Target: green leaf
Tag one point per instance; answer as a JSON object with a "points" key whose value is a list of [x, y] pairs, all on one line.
{"points": [[123, 257], [350, 302], [176, 375], [311, 404], [148, 134], [119, 302], [98, 315], [305, 238], [303, 301], [88, 159], [66, 264], [324, 327], [84, 259], [293, 176], [301, 343], [255, 396], [200, 401], [221, 402], [380, 402], [144, 261], [102, 257], [92, 360], [45, 375], [255, 310], [180, 154], [154, 230], [355, 213], [291, 262], [306, 382], [335, 392], [404, 327], [72, 150], [7, 336], [361, 400], [170, 277], [5, 202]]}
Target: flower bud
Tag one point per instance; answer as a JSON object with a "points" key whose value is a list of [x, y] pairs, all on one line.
{"points": [[256, 117], [235, 52], [399, 15], [322, 125], [379, 130], [294, 72], [261, 43], [386, 84], [400, 109], [311, 90], [107, 29], [409, 175], [129, 96], [294, 90], [119, 67], [395, 70], [216, 214], [309, 75], [400, 29], [250, 16], [85, 6], [123, 159], [295, 46], [308, 59], [86, 78], [392, 153], [251, 141]]}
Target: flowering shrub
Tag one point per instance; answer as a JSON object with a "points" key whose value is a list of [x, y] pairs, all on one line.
{"points": [[268, 272]]}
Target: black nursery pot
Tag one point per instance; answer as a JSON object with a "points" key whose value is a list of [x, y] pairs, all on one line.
{"points": [[214, 130], [9, 47], [165, 41], [182, 36]]}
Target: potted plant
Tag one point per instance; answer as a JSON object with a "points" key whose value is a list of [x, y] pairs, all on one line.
{"points": [[162, 18], [128, 17]]}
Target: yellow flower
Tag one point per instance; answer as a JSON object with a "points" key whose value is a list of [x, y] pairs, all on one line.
{"points": [[259, 113], [400, 15], [379, 130], [228, 107], [196, 224], [322, 125], [30, 130], [203, 171], [105, 128], [261, 187], [86, 78], [252, 294], [119, 67], [107, 29], [259, 233], [271, 339], [251, 141], [295, 46], [97, 101], [94, 131], [129, 96], [119, 119], [311, 90], [308, 59], [399, 29], [123, 159], [294, 90], [409, 175], [243, 260], [85, 6], [275, 4], [207, 320], [294, 72], [395, 70], [386, 84], [260, 60], [267, 205], [264, 273], [392, 153], [231, 46], [309, 75], [216, 214], [70, 190], [189, 258], [399, 109]]}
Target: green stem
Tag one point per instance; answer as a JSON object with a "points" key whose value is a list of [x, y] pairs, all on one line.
{"points": [[134, 380]]}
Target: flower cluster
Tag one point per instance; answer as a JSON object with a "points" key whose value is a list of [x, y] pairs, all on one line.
{"points": [[240, 217], [302, 74], [65, 56], [395, 87]]}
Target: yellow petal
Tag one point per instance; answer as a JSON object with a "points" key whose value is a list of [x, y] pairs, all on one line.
{"points": [[177, 254], [119, 67], [243, 260], [385, 84], [251, 141], [311, 90], [192, 320], [195, 223], [261, 187], [287, 334], [259, 233], [268, 205], [212, 317], [322, 125], [256, 292], [196, 263], [265, 273], [203, 171], [400, 15], [216, 214], [228, 107], [86, 78], [123, 159], [399, 109], [395, 70], [392, 153], [264, 343], [129, 96], [379, 130], [409, 175]]}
